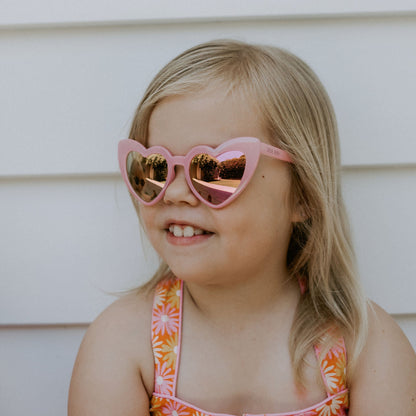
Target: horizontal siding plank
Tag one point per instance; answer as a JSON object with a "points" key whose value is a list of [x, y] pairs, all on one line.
{"points": [[93, 11], [68, 95], [69, 241]]}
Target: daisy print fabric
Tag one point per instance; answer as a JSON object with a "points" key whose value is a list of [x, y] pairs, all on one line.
{"points": [[166, 317], [166, 338]]}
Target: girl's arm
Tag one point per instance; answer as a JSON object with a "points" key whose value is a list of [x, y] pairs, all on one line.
{"points": [[384, 382], [108, 376]]}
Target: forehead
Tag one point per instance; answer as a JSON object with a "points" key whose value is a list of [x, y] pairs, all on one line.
{"points": [[209, 117]]}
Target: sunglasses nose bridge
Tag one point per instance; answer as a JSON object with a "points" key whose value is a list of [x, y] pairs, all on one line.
{"points": [[178, 188], [174, 161], [178, 161]]}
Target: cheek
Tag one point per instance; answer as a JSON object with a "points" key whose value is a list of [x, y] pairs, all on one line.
{"points": [[273, 192], [137, 207], [272, 207], [146, 217]]}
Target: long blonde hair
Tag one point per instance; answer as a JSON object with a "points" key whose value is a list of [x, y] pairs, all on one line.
{"points": [[299, 117]]}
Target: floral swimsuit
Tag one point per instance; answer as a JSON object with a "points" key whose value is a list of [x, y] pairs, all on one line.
{"points": [[166, 337]]}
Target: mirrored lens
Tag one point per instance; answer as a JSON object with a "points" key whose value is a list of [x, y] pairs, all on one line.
{"points": [[147, 175], [216, 179]]}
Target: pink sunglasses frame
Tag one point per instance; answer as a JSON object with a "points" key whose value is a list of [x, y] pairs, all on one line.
{"points": [[250, 146]]}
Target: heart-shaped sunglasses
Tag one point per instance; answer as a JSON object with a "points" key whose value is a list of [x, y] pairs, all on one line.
{"points": [[215, 176]]}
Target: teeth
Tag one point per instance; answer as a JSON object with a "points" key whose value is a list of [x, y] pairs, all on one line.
{"points": [[177, 231], [187, 231]]}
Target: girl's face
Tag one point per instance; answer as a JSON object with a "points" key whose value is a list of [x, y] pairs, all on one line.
{"points": [[246, 238]]}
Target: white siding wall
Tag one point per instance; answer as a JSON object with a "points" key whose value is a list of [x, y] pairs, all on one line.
{"points": [[71, 74]]}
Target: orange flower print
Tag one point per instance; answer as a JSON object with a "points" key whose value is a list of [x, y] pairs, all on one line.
{"points": [[175, 409], [165, 319], [331, 377], [170, 350], [164, 377], [332, 408]]}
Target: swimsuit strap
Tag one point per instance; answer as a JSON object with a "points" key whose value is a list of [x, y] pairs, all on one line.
{"points": [[333, 362], [333, 366], [166, 334]]}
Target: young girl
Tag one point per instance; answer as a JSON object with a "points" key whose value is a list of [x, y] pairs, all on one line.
{"points": [[233, 167]]}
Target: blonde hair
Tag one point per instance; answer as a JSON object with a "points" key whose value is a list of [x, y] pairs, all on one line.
{"points": [[299, 117]]}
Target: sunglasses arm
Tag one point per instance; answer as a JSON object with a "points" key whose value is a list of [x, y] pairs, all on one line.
{"points": [[275, 152]]}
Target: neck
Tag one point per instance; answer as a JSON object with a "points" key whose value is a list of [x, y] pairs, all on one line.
{"points": [[245, 299]]}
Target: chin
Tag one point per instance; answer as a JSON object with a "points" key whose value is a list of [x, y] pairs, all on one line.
{"points": [[194, 275]]}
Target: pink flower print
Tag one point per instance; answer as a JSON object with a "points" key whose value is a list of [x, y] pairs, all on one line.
{"points": [[175, 409], [157, 348], [165, 319], [336, 351], [164, 379], [160, 294]]}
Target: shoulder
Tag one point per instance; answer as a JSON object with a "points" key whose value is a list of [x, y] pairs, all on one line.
{"points": [[384, 381], [127, 317], [114, 366], [124, 327]]}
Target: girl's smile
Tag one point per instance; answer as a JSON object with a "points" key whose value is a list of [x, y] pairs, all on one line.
{"points": [[183, 234]]}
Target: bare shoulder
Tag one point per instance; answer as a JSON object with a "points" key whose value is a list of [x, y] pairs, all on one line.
{"points": [[385, 378], [113, 372]]}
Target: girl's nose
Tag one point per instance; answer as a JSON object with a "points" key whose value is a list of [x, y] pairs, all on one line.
{"points": [[178, 190]]}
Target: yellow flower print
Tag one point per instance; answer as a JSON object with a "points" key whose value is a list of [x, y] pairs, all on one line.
{"points": [[169, 350], [173, 295], [341, 371], [330, 409], [156, 406]]}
